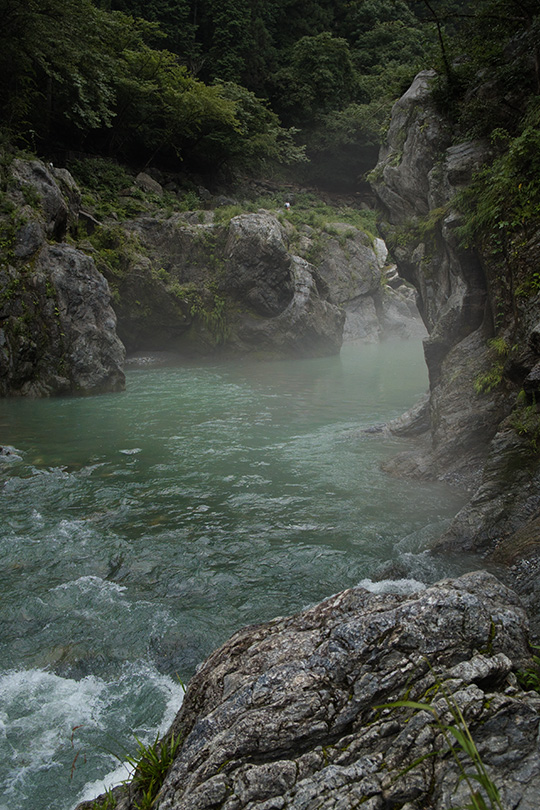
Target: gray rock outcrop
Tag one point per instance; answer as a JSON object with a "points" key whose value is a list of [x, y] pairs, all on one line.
{"points": [[57, 328], [353, 267], [226, 289], [295, 714], [482, 433], [257, 263]]}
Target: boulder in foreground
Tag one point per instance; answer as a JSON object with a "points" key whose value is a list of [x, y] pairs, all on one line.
{"points": [[287, 714]]}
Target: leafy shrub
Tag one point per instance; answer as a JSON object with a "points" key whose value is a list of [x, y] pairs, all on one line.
{"points": [[104, 177], [151, 763], [504, 197]]}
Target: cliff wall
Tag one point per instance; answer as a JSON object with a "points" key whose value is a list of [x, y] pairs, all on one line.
{"points": [[483, 318]]}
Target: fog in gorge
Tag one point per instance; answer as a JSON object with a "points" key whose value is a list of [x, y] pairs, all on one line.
{"points": [[141, 529]]}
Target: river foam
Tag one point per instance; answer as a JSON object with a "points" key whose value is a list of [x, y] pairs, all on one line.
{"points": [[141, 530], [51, 729]]}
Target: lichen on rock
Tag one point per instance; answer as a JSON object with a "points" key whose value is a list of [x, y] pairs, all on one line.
{"points": [[294, 713]]}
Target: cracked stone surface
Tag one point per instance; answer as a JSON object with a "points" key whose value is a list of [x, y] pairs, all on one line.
{"points": [[294, 714]]}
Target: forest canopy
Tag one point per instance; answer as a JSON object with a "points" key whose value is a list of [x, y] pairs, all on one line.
{"points": [[247, 84]]}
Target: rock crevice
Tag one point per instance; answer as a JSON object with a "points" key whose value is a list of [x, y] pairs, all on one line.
{"points": [[480, 350]]}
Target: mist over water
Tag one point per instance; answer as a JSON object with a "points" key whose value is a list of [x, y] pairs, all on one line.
{"points": [[140, 530]]}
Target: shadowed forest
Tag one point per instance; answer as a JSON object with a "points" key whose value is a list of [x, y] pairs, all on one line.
{"points": [[245, 87]]}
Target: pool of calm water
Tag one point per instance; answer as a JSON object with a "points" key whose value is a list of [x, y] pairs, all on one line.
{"points": [[140, 530]]}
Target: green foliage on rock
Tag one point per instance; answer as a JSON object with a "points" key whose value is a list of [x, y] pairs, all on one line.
{"points": [[151, 763], [113, 248], [488, 381], [309, 210], [504, 197], [529, 678], [106, 802], [103, 181], [525, 421]]}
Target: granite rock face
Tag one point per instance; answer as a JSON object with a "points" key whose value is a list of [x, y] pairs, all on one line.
{"points": [[57, 328], [293, 713], [480, 433], [257, 263], [354, 269]]}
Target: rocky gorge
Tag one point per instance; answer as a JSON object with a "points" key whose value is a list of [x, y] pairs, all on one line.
{"points": [[77, 294], [368, 700], [295, 713], [480, 422]]}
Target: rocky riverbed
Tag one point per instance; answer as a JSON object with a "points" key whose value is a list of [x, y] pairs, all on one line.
{"points": [[294, 714]]}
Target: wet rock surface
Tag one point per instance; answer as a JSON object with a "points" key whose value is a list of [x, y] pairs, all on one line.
{"points": [[480, 432], [293, 714], [223, 290]]}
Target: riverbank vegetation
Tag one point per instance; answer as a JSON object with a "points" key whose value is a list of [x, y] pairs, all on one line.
{"points": [[221, 90]]}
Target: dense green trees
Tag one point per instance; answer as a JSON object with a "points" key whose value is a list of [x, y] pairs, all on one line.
{"points": [[76, 76], [204, 81], [57, 62], [318, 77]]}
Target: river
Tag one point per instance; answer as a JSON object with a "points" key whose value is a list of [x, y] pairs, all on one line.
{"points": [[140, 530]]}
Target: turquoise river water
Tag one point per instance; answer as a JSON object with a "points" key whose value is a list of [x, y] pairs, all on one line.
{"points": [[140, 530]]}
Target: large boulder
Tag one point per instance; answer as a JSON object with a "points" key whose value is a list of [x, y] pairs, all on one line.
{"points": [[58, 330], [257, 264], [209, 288], [415, 180], [93, 354], [308, 326], [34, 188], [416, 136], [297, 714], [481, 309]]}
